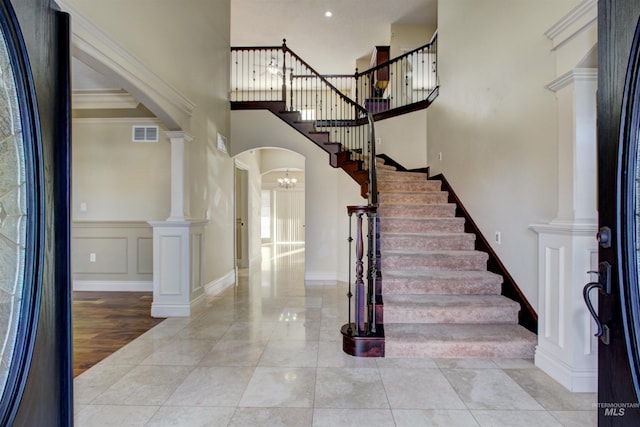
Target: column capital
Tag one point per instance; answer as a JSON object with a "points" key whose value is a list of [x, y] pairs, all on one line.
{"points": [[572, 76], [179, 134]]}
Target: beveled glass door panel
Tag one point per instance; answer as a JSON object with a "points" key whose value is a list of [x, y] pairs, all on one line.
{"points": [[13, 212]]}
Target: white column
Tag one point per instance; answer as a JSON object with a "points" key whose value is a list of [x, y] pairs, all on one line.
{"points": [[177, 244], [178, 248], [179, 203], [567, 246]]}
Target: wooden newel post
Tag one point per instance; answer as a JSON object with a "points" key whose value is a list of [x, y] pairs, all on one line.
{"points": [[360, 294]]}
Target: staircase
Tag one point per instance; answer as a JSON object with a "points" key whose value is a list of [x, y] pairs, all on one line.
{"points": [[439, 298]]}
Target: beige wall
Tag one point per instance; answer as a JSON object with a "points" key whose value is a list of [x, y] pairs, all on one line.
{"points": [[407, 37], [404, 139], [116, 179], [187, 47], [327, 191], [496, 124]]}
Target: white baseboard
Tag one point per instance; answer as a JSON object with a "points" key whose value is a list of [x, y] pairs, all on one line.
{"points": [[113, 285], [170, 310], [320, 278], [577, 381], [219, 285]]}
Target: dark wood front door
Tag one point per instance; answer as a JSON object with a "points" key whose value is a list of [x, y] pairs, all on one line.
{"points": [[619, 206]]}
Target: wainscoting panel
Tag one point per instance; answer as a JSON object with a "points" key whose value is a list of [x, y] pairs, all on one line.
{"points": [[111, 256]]}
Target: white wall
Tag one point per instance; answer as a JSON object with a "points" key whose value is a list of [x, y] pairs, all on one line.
{"points": [[188, 48], [404, 139], [496, 124], [327, 191], [115, 178]]}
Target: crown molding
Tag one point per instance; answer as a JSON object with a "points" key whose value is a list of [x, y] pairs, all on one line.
{"points": [[140, 121], [577, 20], [571, 76], [94, 47], [103, 99]]}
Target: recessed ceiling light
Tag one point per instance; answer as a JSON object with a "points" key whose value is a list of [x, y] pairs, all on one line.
{"points": [[328, 14]]}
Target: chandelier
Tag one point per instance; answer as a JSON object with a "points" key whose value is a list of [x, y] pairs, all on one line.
{"points": [[287, 182]]}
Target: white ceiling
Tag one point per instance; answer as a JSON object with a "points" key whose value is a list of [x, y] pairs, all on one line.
{"points": [[330, 45]]}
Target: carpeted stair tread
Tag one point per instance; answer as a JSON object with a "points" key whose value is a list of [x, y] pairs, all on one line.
{"points": [[386, 175], [421, 340], [411, 185], [412, 197], [398, 259], [449, 309], [428, 241], [441, 282], [433, 224], [424, 210]]}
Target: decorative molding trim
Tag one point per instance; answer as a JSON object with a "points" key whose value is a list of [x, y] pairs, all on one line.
{"points": [[575, 75], [567, 228], [179, 134], [221, 284], [119, 120], [110, 224], [92, 45], [320, 276], [103, 99], [112, 285], [577, 381], [581, 10]]}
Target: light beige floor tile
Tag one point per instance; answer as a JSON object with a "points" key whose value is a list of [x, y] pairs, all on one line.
{"points": [[144, 385], [549, 393], [93, 382], [576, 418], [515, 419], [212, 386], [349, 388], [352, 417], [514, 363], [280, 387], [180, 352], [330, 355], [426, 363], [419, 389], [290, 353], [172, 416], [433, 418], [465, 363], [309, 331], [114, 416], [272, 417], [234, 353], [489, 389]]}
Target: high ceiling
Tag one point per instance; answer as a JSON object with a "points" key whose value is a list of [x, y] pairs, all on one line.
{"points": [[330, 45]]}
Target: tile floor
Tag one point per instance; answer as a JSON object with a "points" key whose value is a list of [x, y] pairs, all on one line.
{"points": [[268, 353]]}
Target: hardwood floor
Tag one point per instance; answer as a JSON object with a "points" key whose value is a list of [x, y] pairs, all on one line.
{"points": [[103, 322]]}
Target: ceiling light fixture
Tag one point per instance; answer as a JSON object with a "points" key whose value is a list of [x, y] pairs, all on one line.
{"points": [[328, 14], [287, 182]]}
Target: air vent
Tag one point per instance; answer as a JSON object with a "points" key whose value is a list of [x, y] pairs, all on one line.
{"points": [[145, 134]]}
